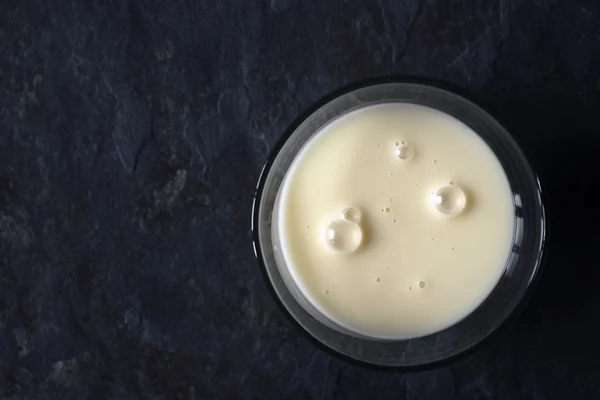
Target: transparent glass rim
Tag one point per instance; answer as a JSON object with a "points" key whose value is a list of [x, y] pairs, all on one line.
{"points": [[509, 294]]}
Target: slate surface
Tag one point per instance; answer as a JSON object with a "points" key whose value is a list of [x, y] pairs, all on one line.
{"points": [[131, 137]]}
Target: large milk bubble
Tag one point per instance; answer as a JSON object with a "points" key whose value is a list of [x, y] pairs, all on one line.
{"points": [[449, 200], [345, 234]]}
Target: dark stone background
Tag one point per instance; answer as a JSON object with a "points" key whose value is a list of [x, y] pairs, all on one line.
{"points": [[132, 134]]}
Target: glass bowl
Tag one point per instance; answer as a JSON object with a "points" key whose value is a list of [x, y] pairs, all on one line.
{"points": [[522, 266]]}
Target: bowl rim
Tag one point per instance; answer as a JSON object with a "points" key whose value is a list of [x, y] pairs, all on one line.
{"points": [[289, 131]]}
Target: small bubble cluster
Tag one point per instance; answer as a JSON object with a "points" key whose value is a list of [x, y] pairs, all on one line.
{"points": [[420, 285], [404, 152]]}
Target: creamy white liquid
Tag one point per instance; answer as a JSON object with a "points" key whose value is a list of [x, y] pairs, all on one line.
{"points": [[418, 260]]}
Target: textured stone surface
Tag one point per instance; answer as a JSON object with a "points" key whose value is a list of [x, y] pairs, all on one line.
{"points": [[131, 137]]}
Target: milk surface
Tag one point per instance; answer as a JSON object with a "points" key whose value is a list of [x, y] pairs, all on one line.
{"points": [[396, 220]]}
